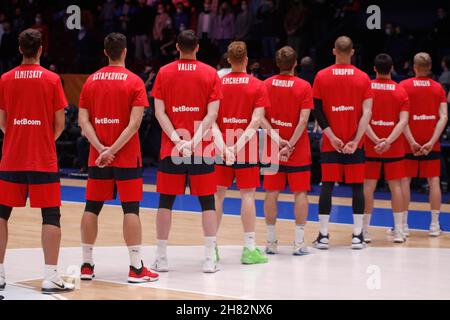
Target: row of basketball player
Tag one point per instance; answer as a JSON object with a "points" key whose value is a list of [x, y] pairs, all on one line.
{"points": [[189, 99]]}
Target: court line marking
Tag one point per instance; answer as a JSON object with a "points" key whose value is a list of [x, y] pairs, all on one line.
{"points": [[17, 284]]}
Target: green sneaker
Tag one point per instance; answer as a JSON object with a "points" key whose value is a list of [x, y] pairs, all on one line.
{"points": [[253, 257], [217, 254]]}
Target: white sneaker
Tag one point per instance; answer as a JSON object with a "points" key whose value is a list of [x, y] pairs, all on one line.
{"points": [[367, 237], [435, 230], [210, 266], [2, 282], [405, 231], [399, 236], [161, 264], [300, 249], [322, 242], [56, 285], [358, 242], [272, 247]]}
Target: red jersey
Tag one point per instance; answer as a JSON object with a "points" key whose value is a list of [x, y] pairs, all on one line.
{"points": [[425, 97], [342, 89], [389, 99], [109, 95], [186, 87], [242, 93], [289, 95], [30, 95]]}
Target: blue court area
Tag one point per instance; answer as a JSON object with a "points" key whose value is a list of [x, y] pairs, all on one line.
{"points": [[339, 214]]}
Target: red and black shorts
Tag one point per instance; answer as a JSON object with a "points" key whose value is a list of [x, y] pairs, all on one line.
{"points": [[298, 178], [246, 174], [174, 171], [393, 168], [423, 166], [43, 189], [104, 184], [338, 166]]}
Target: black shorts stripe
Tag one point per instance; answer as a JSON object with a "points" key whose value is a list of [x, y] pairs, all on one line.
{"points": [[221, 162], [114, 173], [190, 166], [334, 157], [384, 160], [433, 155], [288, 169], [29, 177]]}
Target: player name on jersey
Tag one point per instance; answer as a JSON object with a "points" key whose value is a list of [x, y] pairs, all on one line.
{"points": [[424, 117], [110, 76], [235, 80], [187, 67], [421, 83], [383, 86], [106, 121], [343, 72], [342, 108], [26, 122], [234, 120], [281, 123], [382, 123], [282, 83], [28, 74], [185, 109]]}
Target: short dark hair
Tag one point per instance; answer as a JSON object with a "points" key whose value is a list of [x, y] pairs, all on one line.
{"points": [[187, 41], [383, 63], [114, 44], [30, 41], [286, 58]]}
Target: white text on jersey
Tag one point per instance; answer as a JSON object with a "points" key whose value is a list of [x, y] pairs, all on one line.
{"points": [[234, 120], [283, 83], [421, 83], [423, 117], [185, 109], [281, 123], [343, 72], [28, 74], [110, 76], [235, 80], [106, 121], [382, 123], [187, 67], [26, 122], [342, 108], [383, 86]]}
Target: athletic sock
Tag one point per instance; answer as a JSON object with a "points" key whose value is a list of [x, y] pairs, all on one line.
{"points": [[323, 223], [405, 219], [2, 271], [434, 216], [271, 235], [249, 240], [398, 221], [161, 248], [299, 233], [87, 253], [357, 224], [135, 256], [50, 271], [366, 221], [210, 247]]}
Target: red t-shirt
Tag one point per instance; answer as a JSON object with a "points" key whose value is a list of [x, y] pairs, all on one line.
{"points": [[186, 87], [242, 93], [342, 89], [109, 95], [389, 99], [30, 95], [289, 95], [425, 97]]}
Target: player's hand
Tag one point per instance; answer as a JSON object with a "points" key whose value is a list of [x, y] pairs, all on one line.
{"points": [[105, 158], [184, 147], [415, 148], [350, 147], [284, 143], [382, 147], [230, 156], [426, 148], [337, 143], [285, 154]]}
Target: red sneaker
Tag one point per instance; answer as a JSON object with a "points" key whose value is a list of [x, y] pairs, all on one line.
{"points": [[87, 271], [141, 275]]}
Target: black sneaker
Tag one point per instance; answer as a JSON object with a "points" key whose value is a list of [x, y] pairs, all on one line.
{"points": [[358, 242], [322, 242]]}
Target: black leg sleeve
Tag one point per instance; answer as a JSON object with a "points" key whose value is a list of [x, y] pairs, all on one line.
{"points": [[320, 115], [358, 198], [325, 197]]}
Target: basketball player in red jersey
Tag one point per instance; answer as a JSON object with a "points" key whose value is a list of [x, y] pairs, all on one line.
{"points": [[427, 120], [343, 104], [32, 103], [291, 103], [112, 104], [241, 111], [187, 98], [384, 146]]}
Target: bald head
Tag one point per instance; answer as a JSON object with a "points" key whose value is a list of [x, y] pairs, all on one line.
{"points": [[422, 62], [343, 45]]}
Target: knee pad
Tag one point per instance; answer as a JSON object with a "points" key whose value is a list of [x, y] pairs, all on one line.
{"points": [[325, 197], [358, 198], [5, 212], [166, 201], [94, 207], [130, 207], [207, 203], [51, 216]]}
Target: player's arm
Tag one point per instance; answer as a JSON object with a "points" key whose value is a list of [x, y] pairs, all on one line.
{"points": [[301, 126], [59, 123], [88, 130], [250, 131], [440, 126], [206, 124], [372, 135], [273, 134], [322, 120], [351, 146], [3, 120], [415, 147]]}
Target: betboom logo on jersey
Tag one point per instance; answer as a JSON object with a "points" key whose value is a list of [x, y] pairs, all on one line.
{"points": [[423, 117], [26, 122], [342, 108], [106, 121], [281, 123], [185, 109], [234, 120], [382, 123]]}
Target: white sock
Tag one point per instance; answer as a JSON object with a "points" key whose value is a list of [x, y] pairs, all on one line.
{"points": [[405, 219], [366, 221], [161, 248], [398, 221], [299, 233], [210, 247], [249, 240], [434, 216], [2, 271], [271, 235], [323, 220], [87, 253], [135, 256], [50, 271], [357, 224]]}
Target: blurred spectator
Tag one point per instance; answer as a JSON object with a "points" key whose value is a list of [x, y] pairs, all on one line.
{"points": [[255, 70], [224, 27], [307, 72], [2, 30], [168, 48], [18, 22], [107, 13], [444, 78], [205, 22], [243, 23], [442, 27], [269, 21], [43, 29], [142, 24], [85, 50], [180, 18], [124, 12], [8, 48], [162, 21], [293, 24], [224, 67]]}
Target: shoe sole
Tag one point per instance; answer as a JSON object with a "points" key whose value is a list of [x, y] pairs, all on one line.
{"points": [[434, 235], [55, 290], [87, 277], [299, 254], [134, 280], [271, 252], [358, 246], [367, 240], [211, 271], [160, 269], [399, 241], [321, 246], [254, 262]]}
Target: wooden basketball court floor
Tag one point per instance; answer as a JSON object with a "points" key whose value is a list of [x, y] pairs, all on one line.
{"points": [[417, 269]]}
